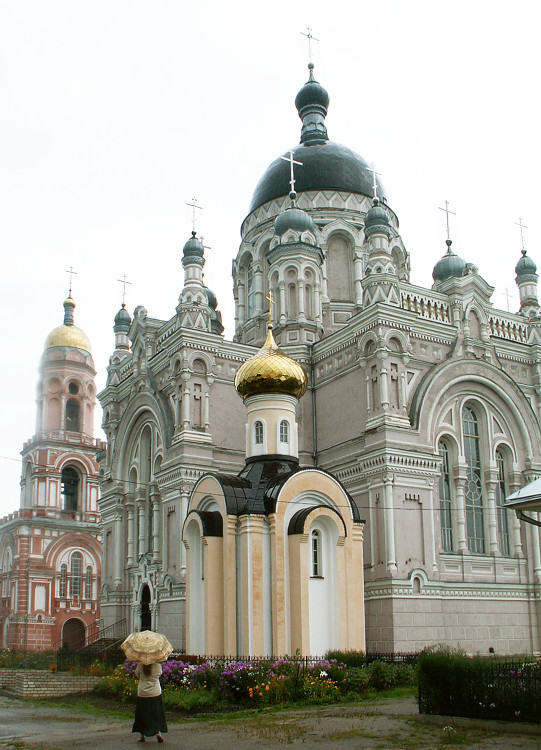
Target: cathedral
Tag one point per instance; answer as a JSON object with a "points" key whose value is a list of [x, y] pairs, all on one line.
{"points": [[358, 434], [50, 549]]}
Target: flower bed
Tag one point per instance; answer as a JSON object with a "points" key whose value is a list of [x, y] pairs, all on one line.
{"points": [[258, 683]]}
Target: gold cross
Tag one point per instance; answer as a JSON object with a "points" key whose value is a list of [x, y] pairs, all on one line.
{"points": [[271, 303]]}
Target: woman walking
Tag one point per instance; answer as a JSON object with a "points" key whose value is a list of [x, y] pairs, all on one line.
{"points": [[149, 713], [149, 649]]}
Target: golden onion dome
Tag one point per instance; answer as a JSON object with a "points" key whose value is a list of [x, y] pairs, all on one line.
{"points": [[68, 334], [270, 371]]}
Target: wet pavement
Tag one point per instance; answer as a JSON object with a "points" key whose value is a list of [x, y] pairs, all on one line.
{"points": [[380, 725]]}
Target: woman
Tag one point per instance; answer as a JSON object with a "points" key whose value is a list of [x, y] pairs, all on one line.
{"points": [[149, 713]]}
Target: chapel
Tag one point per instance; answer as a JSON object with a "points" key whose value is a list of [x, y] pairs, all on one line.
{"points": [[227, 526]]}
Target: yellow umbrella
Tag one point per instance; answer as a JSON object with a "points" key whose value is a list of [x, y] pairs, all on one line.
{"points": [[146, 647]]}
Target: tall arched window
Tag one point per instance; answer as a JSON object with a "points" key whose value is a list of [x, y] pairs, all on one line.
{"points": [[316, 554], [284, 431], [445, 499], [69, 482], [473, 490], [258, 433], [501, 493], [62, 592], [72, 415], [76, 573]]}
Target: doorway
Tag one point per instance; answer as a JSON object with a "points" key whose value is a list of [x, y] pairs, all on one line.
{"points": [[146, 616]]}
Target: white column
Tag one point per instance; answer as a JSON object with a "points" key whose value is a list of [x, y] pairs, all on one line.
{"points": [[184, 494], [461, 510], [155, 500], [185, 402], [142, 525], [300, 300], [358, 275], [492, 515], [119, 548], [130, 540], [258, 287], [388, 513], [281, 286]]}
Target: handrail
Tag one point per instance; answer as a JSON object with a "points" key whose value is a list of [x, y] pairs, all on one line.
{"points": [[117, 630]]}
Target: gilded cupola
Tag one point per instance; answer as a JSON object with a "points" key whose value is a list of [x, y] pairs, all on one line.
{"points": [[270, 371], [68, 334]]}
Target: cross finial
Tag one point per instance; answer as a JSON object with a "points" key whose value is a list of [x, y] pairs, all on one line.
{"points": [[271, 303], [124, 281], [447, 212], [194, 205], [508, 296], [72, 273], [291, 161], [522, 227], [309, 36], [372, 169]]}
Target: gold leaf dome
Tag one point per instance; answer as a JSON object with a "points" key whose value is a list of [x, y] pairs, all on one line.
{"points": [[270, 371], [68, 334]]}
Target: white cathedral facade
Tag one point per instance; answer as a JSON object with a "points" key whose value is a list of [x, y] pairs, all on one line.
{"points": [[422, 406]]}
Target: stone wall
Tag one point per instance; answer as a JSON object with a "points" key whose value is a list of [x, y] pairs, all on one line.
{"points": [[33, 683]]}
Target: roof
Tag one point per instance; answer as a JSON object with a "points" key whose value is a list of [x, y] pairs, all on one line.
{"points": [[527, 498]]}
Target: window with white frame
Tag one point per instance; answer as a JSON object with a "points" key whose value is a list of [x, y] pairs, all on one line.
{"points": [[473, 494], [62, 589], [446, 521], [315, 549], [88, 583], [284, 431], [502, 517], [258, 432], [76, 573]]}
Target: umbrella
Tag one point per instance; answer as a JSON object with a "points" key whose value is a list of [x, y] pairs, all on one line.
{"points": [[146, 647]]}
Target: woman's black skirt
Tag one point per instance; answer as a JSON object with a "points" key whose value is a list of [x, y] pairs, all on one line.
{"points": [[149, 716]]}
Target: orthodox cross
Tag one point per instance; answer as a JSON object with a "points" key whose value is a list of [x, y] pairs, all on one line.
{"points": [[309, 36], [376, 174], [447, 212], [71, 273], [194, 206], [522, 227], [291, 161], [271, 303], [507, 297], [124, 281]]}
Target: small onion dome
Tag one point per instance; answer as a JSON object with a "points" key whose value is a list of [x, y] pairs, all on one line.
{"points": [[525, 267], [122, 320], [68, 334], [450, 266], [376, 219], [193, 247], [211, 298], [293, 218], [270, 371], [312, 94]]}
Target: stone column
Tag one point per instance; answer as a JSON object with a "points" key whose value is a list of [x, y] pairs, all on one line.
{"points": [[185, 401], [383, 384], [258, 287], [131, 530], [536, 549], [282, 290], [300, 300], [318, 312], [82, 424], [141, 511], [388, 514], [460, 471], [241, 304], [155, 500], [358, 275], [431, 542], [62, 411], [184, 495], [210, 381], [491, 479], [119, 549]]}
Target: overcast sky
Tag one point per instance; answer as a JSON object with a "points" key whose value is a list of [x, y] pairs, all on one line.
{"points": [[115, 113]]}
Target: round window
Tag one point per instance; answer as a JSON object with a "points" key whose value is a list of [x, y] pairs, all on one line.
{"points": [[73, 388]]}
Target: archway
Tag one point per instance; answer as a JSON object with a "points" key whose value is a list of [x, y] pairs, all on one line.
{"points": [[73, 633], [146, 616]]}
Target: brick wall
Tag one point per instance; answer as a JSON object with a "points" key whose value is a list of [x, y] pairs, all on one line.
{"points": [[32, 683]]}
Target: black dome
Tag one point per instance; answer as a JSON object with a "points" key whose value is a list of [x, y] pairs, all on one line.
{"points": [[326, 166]]}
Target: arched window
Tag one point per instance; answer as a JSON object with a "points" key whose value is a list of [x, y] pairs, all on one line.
{"points": [[284, 431], [63, 581], [316, 554], [258, 433], [473, 490], [501, 493], [445, 499], [6, 567], [76, 573], [72, 415], [69, 480], [88, 583]]}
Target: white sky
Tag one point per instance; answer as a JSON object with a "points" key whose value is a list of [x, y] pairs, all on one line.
{"points": [[115, 113]]}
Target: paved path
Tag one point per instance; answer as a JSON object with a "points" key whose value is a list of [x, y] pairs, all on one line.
{"points": [[381, 725]]}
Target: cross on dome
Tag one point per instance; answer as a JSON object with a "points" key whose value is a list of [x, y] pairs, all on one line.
{"points": [[292, 161], [447, 212], [72, 273], [375, 174], [194, 205], [124, 281], [522, 227], [309, 36]]}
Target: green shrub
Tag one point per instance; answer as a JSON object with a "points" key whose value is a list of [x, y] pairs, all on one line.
{"points": [[380, 675], [191, 700], [356, 681], [26, 659], [349, 658]]}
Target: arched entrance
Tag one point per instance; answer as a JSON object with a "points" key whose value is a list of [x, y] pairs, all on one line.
{"points": [[73, 633], [146, 617]]}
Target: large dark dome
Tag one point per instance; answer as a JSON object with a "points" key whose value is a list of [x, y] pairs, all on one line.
{"points": [[326, 166]]}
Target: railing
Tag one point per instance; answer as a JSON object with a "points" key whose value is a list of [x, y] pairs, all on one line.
{"points": [[116, 631]]}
